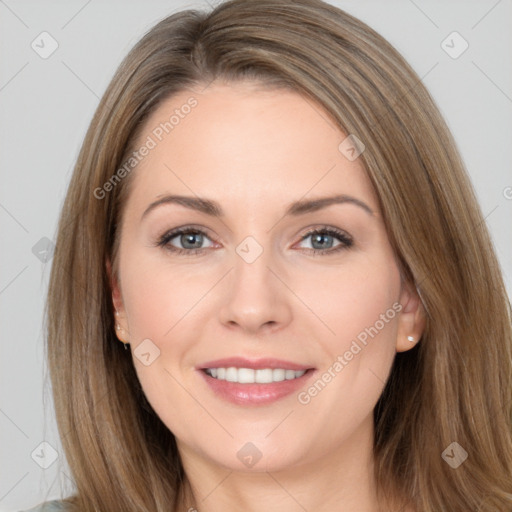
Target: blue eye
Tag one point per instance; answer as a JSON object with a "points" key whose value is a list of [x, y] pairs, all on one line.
{"points": [[324, 238], [191, 240]]}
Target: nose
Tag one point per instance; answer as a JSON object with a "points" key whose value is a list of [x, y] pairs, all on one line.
{"points": [[257, 300]]}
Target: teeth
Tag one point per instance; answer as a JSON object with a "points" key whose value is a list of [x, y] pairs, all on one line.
{"points": [[231, 374], [250, 376], [263, 376], [278, 375], [245, 375], [289, 374]]}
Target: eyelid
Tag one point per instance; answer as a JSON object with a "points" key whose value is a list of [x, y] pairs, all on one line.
{"points": [[164, 239], [345, 239]]}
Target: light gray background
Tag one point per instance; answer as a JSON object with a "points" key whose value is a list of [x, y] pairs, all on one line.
{"points": [[47, 104]]}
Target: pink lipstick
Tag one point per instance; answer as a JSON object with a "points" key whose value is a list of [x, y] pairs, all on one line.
{"points": [[254, 382]]}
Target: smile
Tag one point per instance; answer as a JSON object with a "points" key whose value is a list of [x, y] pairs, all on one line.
{"points": [[252, 382]]}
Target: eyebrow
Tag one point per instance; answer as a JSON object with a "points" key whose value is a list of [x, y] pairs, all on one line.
{"points": [[212, 208]]}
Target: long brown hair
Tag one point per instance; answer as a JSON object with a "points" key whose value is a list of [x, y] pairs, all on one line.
{"points": [[455, 386]]}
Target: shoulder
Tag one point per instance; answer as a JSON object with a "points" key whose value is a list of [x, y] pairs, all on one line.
{"points": [[49, 506]]}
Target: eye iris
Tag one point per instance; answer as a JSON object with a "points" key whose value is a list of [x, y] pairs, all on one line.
{"points": [[189, 237], [321, 237]]}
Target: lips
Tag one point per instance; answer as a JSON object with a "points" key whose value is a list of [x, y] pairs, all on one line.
{"points": [[253, 382]]}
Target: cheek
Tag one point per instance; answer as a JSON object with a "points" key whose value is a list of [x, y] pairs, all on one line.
{"points": [[158, 298], [350, 300], [159, 302], [365, 310], [358, 357], [359, 304]]}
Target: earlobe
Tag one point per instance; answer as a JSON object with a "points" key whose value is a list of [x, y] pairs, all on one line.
{"points": [[412, 320]]}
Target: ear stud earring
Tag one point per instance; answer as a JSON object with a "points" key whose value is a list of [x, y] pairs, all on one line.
{"points": [[411, 338]]}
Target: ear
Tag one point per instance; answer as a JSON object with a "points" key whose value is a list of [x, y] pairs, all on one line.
{"points": [[412, 319], [120, 319]]}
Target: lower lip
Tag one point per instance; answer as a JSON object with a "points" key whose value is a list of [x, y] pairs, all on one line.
{"points": [[255, 394]]}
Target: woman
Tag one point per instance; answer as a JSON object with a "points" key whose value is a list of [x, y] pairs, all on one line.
{"points": [[260, 375]]}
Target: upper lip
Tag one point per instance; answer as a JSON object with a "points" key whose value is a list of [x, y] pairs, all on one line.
{"points": [[255, 364]]}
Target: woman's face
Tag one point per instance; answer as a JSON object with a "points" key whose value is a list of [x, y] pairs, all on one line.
{"points": [[263, 333]]}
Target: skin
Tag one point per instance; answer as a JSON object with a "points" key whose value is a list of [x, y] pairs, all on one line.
{"points": [[254, 151]]}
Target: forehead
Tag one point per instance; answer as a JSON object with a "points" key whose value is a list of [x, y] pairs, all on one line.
{"points": [[239, 141]]}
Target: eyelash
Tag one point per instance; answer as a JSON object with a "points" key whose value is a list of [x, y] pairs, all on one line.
{"points": [[344, 238]]}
